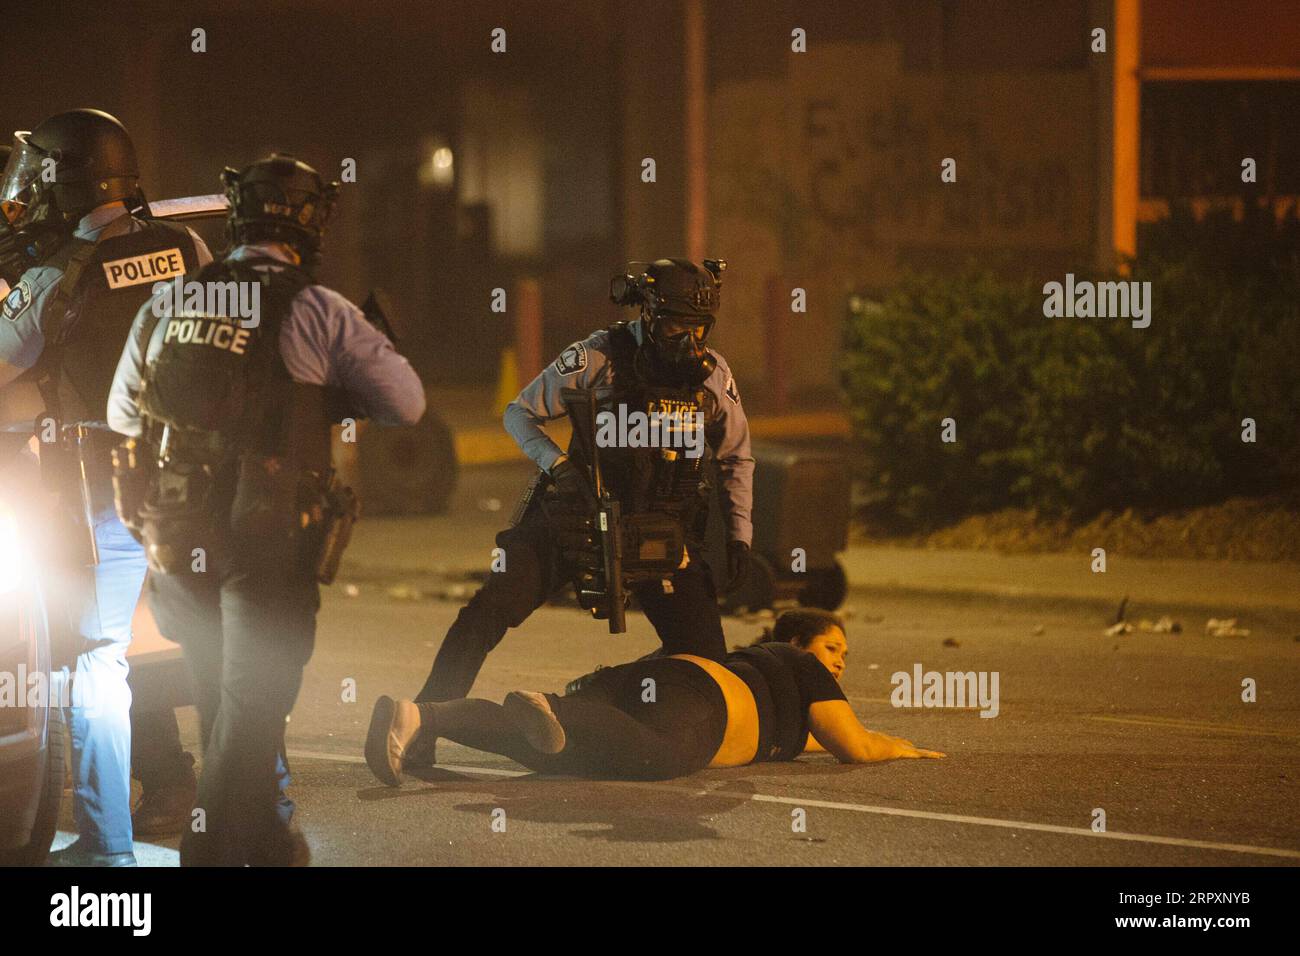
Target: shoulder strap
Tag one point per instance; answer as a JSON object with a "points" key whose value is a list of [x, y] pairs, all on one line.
{"points": [[74, 256], [79, 253], [268, 374], [622, 353]]}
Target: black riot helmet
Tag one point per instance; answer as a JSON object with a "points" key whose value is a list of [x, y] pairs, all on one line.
{"points": [[68, 165], [280, 198], [679, 301], [11, 263]]}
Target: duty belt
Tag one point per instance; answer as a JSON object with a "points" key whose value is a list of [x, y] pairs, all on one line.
{"points": [[79, 467]]}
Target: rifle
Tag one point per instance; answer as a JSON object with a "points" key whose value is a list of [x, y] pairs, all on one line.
{"points": [[604, 594]]}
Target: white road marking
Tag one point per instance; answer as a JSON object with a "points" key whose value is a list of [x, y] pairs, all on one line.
{"points": [[357, 758], [865, 808], [1196, 726]]}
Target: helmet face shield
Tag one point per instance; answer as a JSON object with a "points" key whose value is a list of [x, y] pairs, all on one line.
{"points": [[20, 185]]}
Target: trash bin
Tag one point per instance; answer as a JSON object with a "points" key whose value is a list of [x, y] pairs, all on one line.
{"points": [[399, 470], [801, 522]]}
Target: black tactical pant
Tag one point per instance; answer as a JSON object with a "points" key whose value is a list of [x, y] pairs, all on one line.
{"points": [[247, 635], [158, 758], [684, 611]]}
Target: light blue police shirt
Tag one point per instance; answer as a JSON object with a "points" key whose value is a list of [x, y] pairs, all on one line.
{"points": [[325, 340], [587, 364], [22, 311]]}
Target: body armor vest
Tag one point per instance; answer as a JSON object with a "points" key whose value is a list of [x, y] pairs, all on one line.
{"points": [[90, 313], [222, 390], [242, 451], [661, 478]]}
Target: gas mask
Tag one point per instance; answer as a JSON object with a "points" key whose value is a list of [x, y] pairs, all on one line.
{"points": [[678, 300], [676, 349]]}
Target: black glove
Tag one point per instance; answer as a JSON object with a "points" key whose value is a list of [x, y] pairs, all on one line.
{"points": [[737, 565], [571, 485]]}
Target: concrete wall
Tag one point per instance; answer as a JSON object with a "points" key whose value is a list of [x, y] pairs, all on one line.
{"points": [[825, 171]]}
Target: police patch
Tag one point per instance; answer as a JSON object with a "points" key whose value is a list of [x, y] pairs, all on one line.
{"points": [[17, 301], [149, 267], [733, 393], [573, 359]]}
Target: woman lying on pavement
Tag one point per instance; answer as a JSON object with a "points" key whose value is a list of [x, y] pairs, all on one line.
{"points": [[663, 717]]}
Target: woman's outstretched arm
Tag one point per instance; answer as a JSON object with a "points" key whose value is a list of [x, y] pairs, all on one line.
{"points": [[837, 728]]}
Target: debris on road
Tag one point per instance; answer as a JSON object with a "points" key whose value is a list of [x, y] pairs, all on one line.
{"points": [[951, 642], [1226, 627], [1166, 625], [1163, 625]]}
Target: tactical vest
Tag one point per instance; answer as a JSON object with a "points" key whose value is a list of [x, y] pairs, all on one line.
{"points": [[242, 451], [89, 316], [662, 479], [223, 390]]}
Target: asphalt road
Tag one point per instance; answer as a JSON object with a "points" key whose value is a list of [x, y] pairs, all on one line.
{"points": [[1149, 728]]}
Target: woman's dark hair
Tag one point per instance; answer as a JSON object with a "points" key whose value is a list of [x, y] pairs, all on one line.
{"points": [[799, 627]]}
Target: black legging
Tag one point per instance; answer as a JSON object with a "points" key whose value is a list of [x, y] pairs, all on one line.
{"points": [[615, 726], [685, 617]]}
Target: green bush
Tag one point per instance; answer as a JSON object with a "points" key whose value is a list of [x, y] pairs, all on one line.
{"points": [[1071, 416]]}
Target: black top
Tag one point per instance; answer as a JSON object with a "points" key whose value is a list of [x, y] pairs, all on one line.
{"points": [[785, 681]]}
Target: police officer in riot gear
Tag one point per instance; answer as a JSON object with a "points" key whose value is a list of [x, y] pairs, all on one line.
{"points": [[659, 361], [81, 254], [227, 480]]}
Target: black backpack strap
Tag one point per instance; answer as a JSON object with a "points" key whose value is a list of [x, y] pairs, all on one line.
{"points": [[81, 251], [75, 257], [622, 352], [269, 376]]}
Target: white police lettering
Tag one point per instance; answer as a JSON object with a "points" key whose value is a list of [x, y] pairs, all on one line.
{"points": [[149, 267], [17, 301], [220, 333], [571, 360]]}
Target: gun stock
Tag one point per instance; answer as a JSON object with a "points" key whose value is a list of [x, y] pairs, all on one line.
{"points": [[611, 540], [581, 405]]}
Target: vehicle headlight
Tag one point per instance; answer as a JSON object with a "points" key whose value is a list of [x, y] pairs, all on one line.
{"points": [[11, 552]]}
